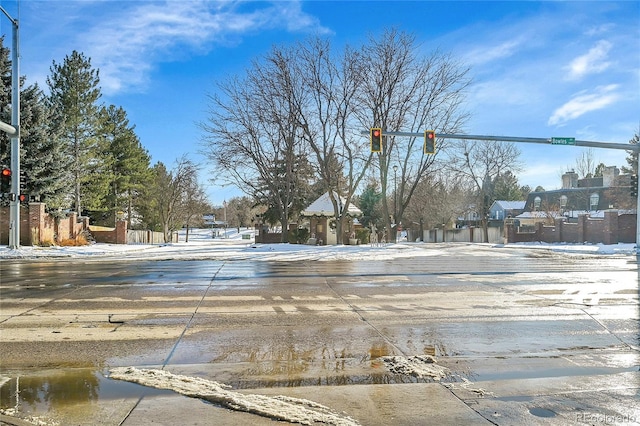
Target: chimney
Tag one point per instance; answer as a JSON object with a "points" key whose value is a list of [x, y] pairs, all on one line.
{"points": [[570, 180], [609, 175]]}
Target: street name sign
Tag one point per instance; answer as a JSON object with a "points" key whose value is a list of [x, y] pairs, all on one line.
{"points": [[563, 141]]}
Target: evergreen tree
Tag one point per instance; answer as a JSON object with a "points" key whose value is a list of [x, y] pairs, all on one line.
{"points": [[506, 188], [42, 156], [5, 102], [370, 206], [74, 96], [42, 162], [632, 158], [130, 170], [151, 208]]}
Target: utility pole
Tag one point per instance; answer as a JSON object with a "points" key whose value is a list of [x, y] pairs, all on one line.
{"points": [[14, 133]]}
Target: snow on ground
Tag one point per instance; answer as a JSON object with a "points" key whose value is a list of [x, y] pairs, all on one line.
{"points": [[236, 245], [416, 366], [294, 410], [620, 248]]}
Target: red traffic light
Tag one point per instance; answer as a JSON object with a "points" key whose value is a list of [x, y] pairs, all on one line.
{"points": [[22, 198], [376, 139], [429, 142], [6, 173]]}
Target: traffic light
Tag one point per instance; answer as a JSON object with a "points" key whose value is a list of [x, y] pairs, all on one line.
{"points": [[376, 139], [429, 142], [634, 185], [6, 180], [24, 198]]}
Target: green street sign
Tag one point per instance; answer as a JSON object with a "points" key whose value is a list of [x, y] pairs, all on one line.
{"points": [[563, 141]]}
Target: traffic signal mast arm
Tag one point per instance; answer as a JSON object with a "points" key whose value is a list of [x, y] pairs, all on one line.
{"points": [[546, 141], [634, 148]]}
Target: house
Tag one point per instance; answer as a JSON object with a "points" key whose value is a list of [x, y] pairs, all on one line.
{"points": [[589, 196], [501, 210], [596, 209], [322, 220], [577, 197]]}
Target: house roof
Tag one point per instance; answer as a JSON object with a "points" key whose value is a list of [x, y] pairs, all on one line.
{"points": [[510, 205], [323, 207]]}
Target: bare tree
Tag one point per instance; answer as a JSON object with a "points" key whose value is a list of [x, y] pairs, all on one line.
{"points": [[332, 84], [306, 100], [253, 133], [586, 164], [194, 204], [241, 212], [405, 91], [171, 193], [440, 199], [482, 163]]}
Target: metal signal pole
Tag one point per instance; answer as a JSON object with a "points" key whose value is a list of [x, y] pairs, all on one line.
{"points": [[14, 132]]}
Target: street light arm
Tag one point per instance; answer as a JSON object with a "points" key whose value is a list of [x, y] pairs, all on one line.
{"points": [[11, 131], [13, 21]]}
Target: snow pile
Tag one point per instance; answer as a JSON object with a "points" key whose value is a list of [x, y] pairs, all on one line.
{"points": [[33, 420], [416, 366], [466, 384], [293, 410], [620, 248], [426, 366]]}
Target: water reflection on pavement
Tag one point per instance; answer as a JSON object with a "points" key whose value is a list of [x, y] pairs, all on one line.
{"points": [[496, 319]]}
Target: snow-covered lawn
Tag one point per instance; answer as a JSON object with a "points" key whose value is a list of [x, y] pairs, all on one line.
{"points": [[241, 245]]}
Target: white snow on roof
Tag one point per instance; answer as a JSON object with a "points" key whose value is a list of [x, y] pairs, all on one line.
{"points": [[323, 207]]}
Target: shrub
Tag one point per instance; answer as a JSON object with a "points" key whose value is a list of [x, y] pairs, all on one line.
{"points": [[362, 235], [299, 236], [80, 240]]}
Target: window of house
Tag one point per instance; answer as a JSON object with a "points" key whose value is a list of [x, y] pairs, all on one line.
{"points": [[536, 203], [563, 202], [593, 201]]}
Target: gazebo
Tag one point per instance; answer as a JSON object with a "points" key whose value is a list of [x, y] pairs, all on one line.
{"points": [[322, 220]]}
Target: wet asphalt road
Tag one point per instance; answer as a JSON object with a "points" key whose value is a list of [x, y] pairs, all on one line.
{"points": [[530, 337]]}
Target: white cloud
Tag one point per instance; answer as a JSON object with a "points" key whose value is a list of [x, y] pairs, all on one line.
{"points": [[585, 102], [486, 54], [594, 61], [599, 29], [126, 47]]}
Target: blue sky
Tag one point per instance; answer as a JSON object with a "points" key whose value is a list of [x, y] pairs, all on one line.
{"points": [[539, 69]]}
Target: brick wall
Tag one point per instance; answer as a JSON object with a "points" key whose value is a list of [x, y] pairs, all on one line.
{"points": [[38, 227], [117, 235], [612, 229]]}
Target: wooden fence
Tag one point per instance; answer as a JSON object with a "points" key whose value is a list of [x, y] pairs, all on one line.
{"points": [[148, 237], [464, 235]]}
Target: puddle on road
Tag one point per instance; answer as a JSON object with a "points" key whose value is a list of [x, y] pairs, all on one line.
{"points": [[538, 373], [67, 393], [542, 412]]}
